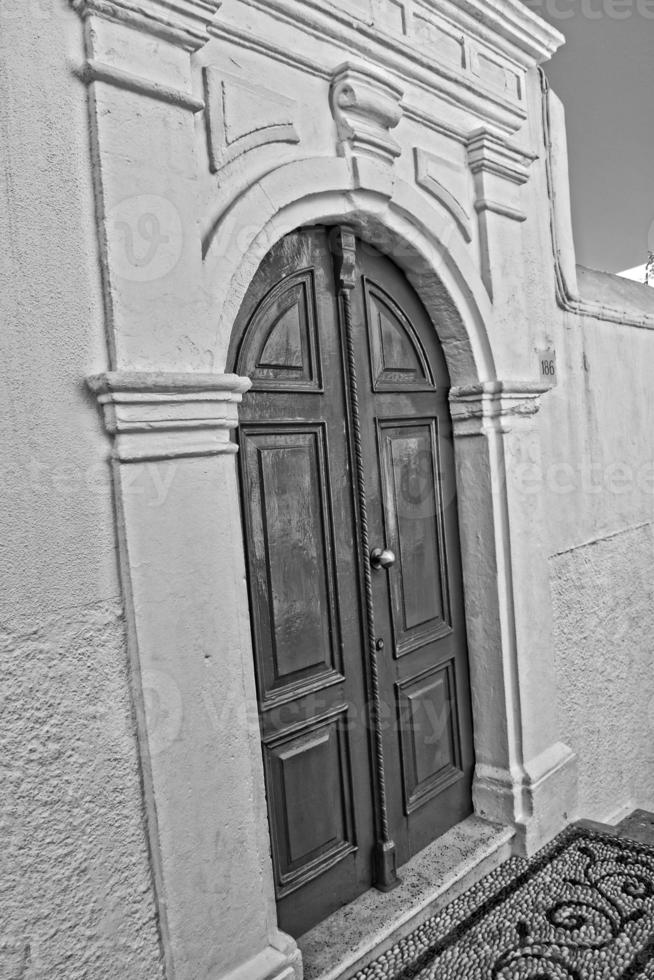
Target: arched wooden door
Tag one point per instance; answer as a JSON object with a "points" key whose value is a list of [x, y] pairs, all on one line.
{"points": [[346, 447]]}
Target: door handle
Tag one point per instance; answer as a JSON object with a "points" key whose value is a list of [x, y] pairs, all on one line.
{"points": [[381, 558]]}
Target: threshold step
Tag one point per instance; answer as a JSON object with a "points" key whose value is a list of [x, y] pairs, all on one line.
{"points": [[359, 932]]}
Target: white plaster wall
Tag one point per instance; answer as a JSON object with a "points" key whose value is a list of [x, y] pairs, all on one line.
{"points": [[603, 596], [597, 479], [597, 426], [75, 892]]}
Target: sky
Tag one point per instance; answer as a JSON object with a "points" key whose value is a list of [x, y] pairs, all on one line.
{"points": [[604, 75]]}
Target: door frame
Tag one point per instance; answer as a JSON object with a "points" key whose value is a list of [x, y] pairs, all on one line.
{"points": [[524, 776], [361, 155]]}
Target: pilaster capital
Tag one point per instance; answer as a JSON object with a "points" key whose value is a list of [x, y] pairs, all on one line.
{"points": [[490, 153], [494, 405], [161, 415], [181, 22]]}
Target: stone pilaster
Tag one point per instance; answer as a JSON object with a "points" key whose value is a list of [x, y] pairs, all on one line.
{"points": [[183, 577], [143, 98], [524, 776], [499, 169]]}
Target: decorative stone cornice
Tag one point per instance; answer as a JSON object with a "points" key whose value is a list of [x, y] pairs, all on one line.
{"points": [[473, 53], [181, 22], [488, 153], [530, 37], [366, 105], [158, 415], [494, 404]]}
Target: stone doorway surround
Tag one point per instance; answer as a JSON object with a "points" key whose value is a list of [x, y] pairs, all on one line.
{"points": [[179, 174]]}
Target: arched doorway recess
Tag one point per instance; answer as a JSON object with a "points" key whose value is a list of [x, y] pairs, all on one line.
{"points": [[350, 520]]}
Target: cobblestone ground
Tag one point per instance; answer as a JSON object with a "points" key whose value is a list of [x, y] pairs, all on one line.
{"points": [[582, 910]]}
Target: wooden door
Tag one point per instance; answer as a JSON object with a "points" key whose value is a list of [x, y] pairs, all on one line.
{"points": [[345, 445], [418, 600]]}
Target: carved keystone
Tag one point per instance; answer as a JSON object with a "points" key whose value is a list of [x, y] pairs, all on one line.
{"points": [[366, 105]]}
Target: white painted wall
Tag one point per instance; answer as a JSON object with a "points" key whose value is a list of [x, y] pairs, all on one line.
{"points": [[76, 897], [598, 483], [599, 478]]}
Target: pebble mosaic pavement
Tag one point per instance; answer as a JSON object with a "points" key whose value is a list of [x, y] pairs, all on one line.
{"points": [[580, 909]]}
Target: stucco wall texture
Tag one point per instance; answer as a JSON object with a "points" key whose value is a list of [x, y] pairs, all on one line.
{"points": [[75, 891], [603, 596], [75, 886]]}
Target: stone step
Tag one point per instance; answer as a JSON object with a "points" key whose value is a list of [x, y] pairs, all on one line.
{"points": [[360, 932]]}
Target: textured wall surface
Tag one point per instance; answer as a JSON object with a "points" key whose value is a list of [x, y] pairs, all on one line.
{"points": [[75, 889], [603, 596], [57, 526]]}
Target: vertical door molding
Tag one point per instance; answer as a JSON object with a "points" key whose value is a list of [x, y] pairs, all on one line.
{"points": [[183, 575], [524, 776]]}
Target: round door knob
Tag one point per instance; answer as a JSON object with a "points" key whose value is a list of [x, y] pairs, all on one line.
{"points": [[382, 558]]}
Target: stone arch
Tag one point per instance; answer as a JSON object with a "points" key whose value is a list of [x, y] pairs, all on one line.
{"points": [[524, 777], [425, 242]]}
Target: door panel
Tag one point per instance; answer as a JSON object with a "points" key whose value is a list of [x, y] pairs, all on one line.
{"points": [[281, 350], [396, 356], [429, 734], [413, 512], [292, 555], [303, 511], [310, 795]]}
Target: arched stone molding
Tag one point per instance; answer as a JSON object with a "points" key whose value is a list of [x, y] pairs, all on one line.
{"points": [[424, 241], [524, 776]]}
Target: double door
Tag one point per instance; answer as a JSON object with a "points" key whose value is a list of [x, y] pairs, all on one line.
{"points": [[349, 511]]}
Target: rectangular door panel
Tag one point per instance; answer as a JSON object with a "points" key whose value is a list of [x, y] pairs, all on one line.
{"points": [[412, 511], [310, 793], [429, 734], [297, 633]]}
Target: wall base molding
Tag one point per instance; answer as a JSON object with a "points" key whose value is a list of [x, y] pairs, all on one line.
{"points": [[281, 960], [538, 798]]}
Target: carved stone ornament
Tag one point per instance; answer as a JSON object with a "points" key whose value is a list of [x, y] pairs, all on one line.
{"points": [[366, 106], [181, 22], [242, 117], [428, 166]]}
